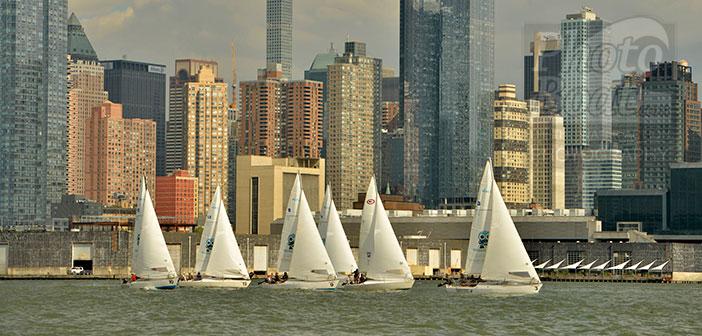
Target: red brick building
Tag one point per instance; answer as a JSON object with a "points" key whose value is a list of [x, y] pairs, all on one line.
{"points": [[176, 198]]}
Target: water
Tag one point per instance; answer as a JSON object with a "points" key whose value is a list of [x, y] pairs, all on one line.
{"points": [[100, 307]]}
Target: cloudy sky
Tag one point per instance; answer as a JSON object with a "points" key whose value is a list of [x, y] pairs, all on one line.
{"points": [[161, 31]]}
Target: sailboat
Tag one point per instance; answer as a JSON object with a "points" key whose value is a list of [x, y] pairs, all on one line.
{"points": [[497, 250], [219, 259], [302, 253], [334, 237], [380, 256], [151, 262]]}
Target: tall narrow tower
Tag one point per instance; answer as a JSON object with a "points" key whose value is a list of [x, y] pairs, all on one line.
{"points": [[279, 34]]}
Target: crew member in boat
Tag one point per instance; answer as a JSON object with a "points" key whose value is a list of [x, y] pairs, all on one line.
{"points": [[134, 277], [198, 277], [363, 278], [285, 277], [189, 277], [355, 276], [276, 278]]}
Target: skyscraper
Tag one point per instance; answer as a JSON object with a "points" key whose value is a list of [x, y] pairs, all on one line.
{"points": [[512, 162], [205, 134], [627, 97], [261, 105], [671, 121], [33, 109], [303, 116], [118, 153], [446, 83], [585, 100], [141, 89], [318, 72], [85, 91], [547, 159], [279, 34], [354, 115], [186, 71], [542, 69]]}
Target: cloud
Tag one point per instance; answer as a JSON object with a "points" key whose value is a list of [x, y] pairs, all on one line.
{"points": [[102, 25]]}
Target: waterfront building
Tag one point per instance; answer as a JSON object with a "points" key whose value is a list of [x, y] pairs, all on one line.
{"points": [[205, 135], [585, 95], [279, 34], [672, 129], [176, 198], [627, 96], [542, 69], [33, 110], [141, 89], [602, 169], [547, 158], [263, 186], [685, 198], [186, 71], [446, 98], [85, 91], [354, 115], [119, 152], [512, 141], [629, 209]]}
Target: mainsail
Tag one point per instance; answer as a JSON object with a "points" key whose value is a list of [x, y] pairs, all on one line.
{"points": [[365, 233], [151, 259], [208, 234], [287, 235], [334, 237], [480, 228]]}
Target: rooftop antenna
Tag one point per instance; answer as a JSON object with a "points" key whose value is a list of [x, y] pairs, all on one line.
{"points": [[233, 77], [348, 37]]}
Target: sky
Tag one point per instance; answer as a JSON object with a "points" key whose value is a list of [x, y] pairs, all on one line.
{"points": [[161, 31]]}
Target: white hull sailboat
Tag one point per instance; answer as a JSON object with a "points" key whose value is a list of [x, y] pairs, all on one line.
{"points": [[380, 257], [302, 253], [496, 255], [219, 261], [334, 238], [151, 262]]}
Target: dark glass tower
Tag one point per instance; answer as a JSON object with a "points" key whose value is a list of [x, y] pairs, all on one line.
{"points": [[33, 109], [446, 85], [141, 89]]}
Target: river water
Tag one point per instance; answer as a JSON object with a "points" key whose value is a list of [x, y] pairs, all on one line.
{"points": [[101, 307]]}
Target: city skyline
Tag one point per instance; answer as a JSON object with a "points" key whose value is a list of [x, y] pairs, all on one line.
{"points": [[118, 27]]}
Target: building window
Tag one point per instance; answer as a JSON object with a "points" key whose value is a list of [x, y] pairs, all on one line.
{"points": [[254, 205], [574, 256]]}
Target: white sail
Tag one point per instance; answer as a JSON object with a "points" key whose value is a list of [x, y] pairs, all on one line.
{"points": [[364, 245], [309, 259], [151, 257], [602, 266], [647, 266], [588, 266], [385, 258], [506, 258], [334, 238], [208, 233], [225, 260], [287, 235], [480, 228]]}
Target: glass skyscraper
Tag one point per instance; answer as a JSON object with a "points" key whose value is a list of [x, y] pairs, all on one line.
{"points": [[446, 85], [279, 34], [33, 109]]}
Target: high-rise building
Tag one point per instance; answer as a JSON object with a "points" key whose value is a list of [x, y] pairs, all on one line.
{"points": [[303, 113], [602, 170], [176, 198], [627, 97], [542, 69], [318, 72], [85, 91], [205, 134], [547, 158], [447, 85], [119, 152], [585, 95], [671, 121], [33, 109], [186, 71], [354, 115], [390, 120], [279, 34], [261, 109], [141, 89], [512, 162]]}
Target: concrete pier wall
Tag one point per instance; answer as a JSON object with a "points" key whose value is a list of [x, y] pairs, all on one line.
{"points": [[52, 253]]}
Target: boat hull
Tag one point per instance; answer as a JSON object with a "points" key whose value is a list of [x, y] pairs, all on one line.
{"points": [[496, 289], [376, 285], [216, 283], [302, 284], [154, 284]]}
